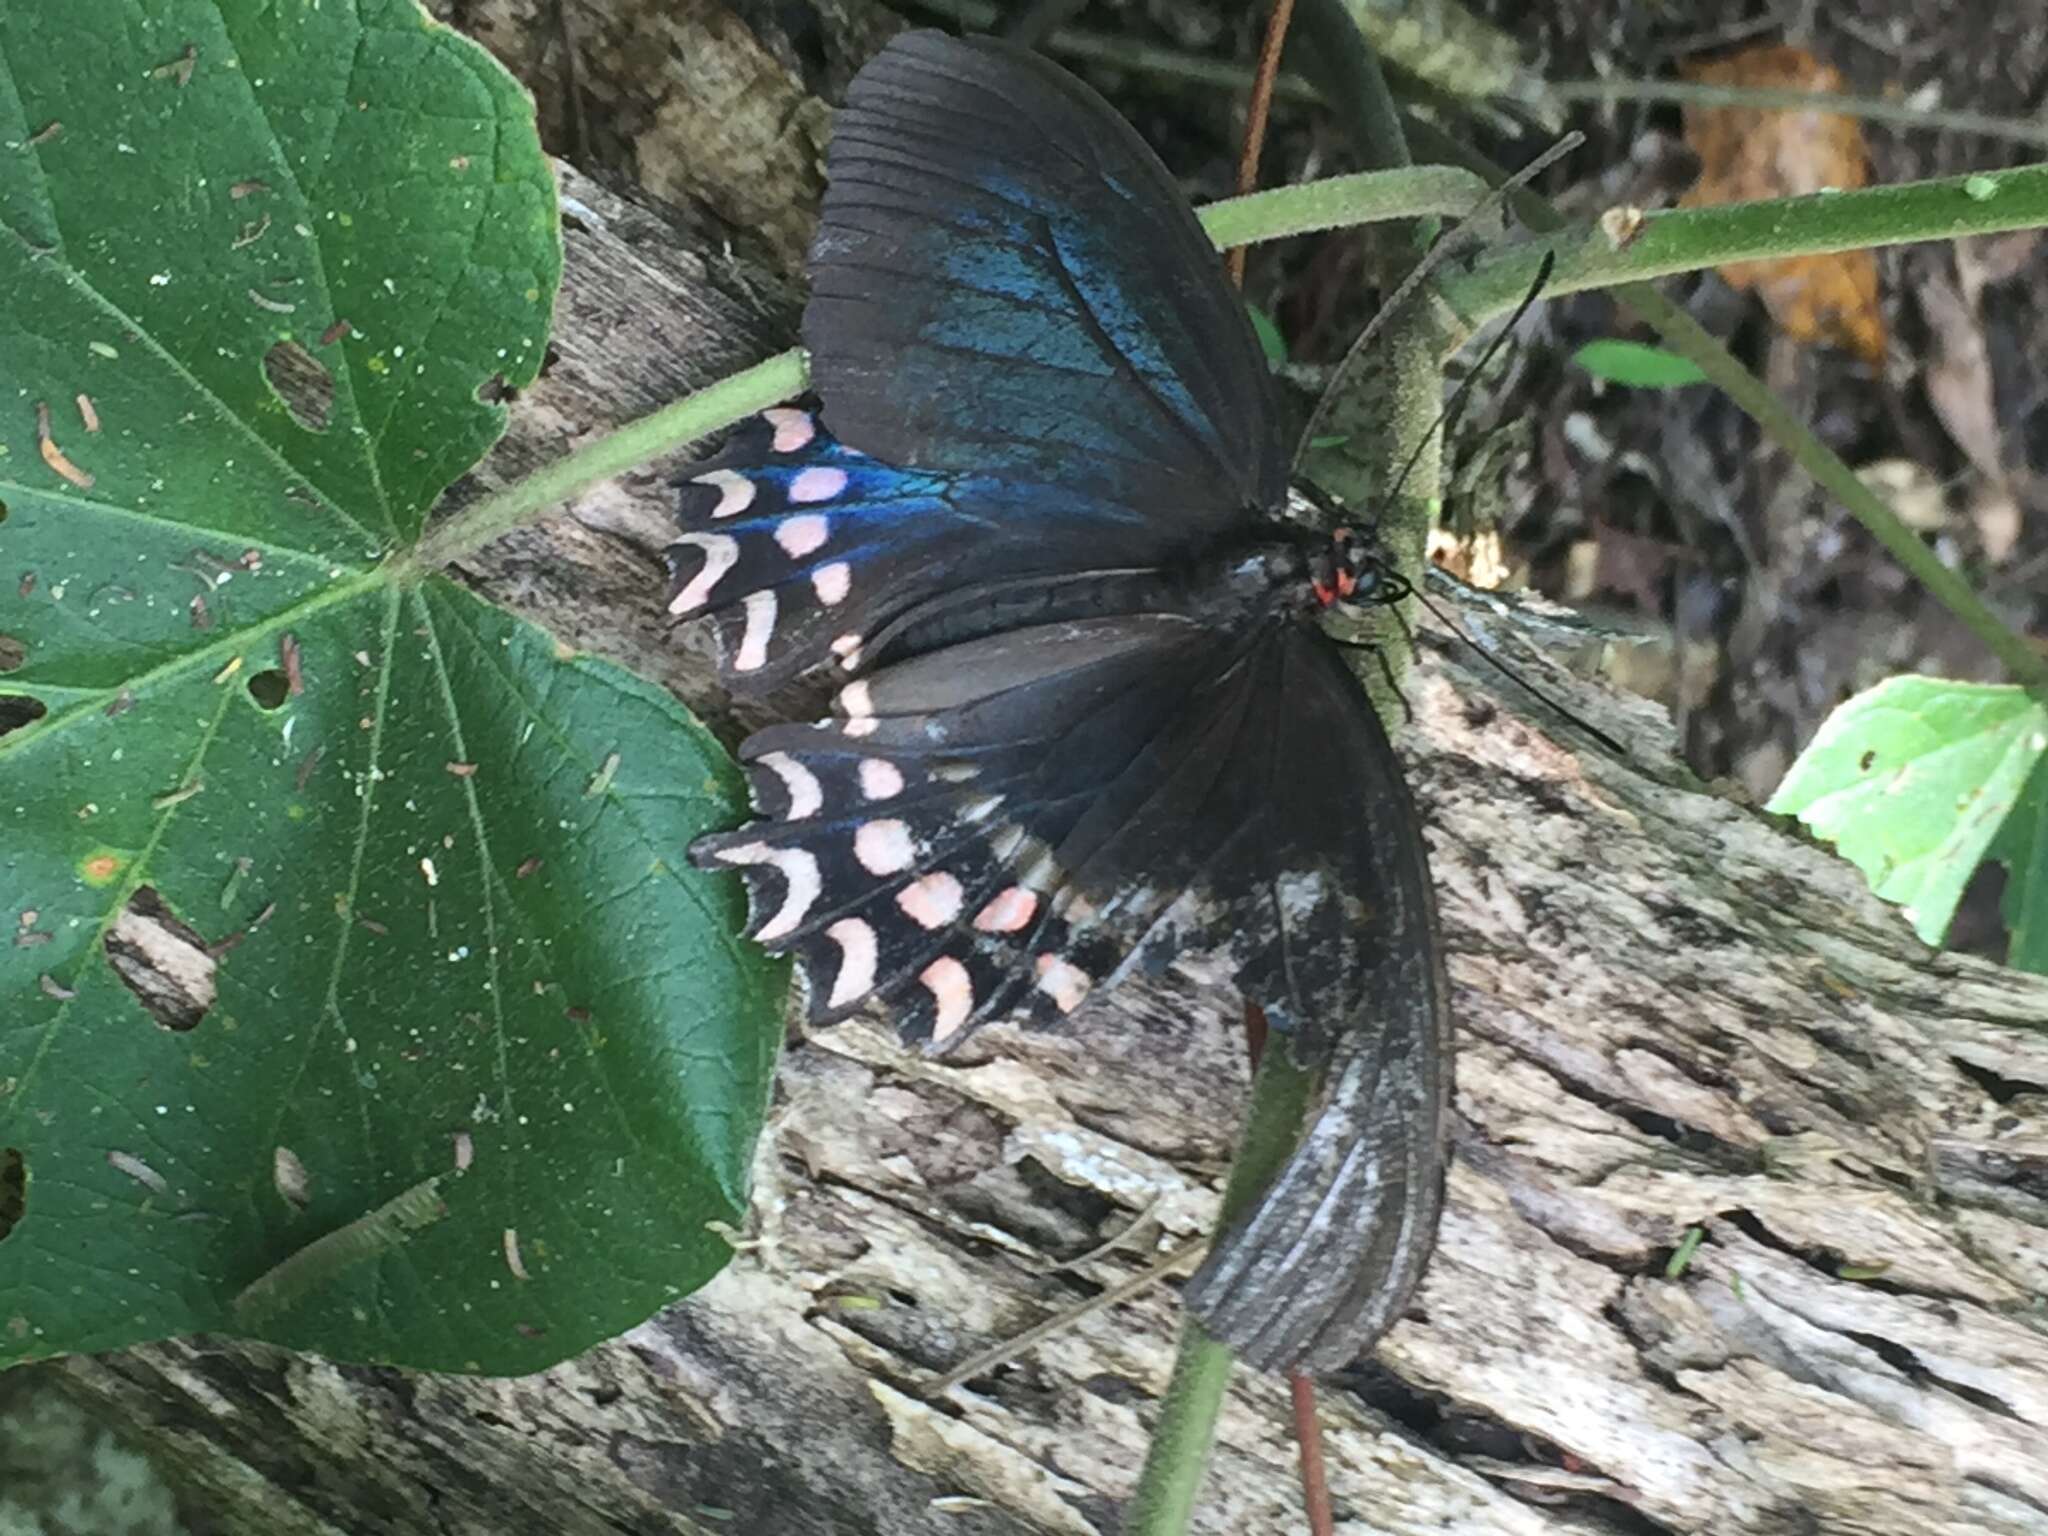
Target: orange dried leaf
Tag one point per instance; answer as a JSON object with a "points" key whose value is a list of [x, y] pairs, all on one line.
{"points": [[1747, 154]]}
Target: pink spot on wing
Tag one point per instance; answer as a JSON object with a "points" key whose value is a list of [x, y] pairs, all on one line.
{"points": [[884, 847], [802, 534], [817, 484], [931, 901], [952, 990], [832, 582], [880, 779], [793, 429], [1008, 912]]}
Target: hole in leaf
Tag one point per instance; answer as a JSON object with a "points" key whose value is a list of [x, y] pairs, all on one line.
{"points": [[12, 653], [302, 382], [269, 687], [3, 511], [162, 960], [13, 1190], [495, 391], [15, 712]]}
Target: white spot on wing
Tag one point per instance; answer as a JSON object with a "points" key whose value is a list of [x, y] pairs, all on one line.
{"points": [[931, 901], [735, 491], [856, 978], [1065, 984], [793, 428], [847, 649], [816, 484], [884, 847], [721, 553], [753, 652], [799, 870], [880, 779], [799, 535], [802, 785], [1008, 911], [952, 990], [859, 706], [832, 583]]}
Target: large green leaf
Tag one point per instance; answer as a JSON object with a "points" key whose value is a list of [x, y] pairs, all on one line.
{"points": [[1914, 780], [467, 1067]]}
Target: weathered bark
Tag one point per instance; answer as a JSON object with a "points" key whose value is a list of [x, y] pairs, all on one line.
{"points": [[1672, 1013]]}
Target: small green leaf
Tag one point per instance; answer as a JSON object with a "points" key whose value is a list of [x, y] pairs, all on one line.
{"points": [[1913, 781], [1271, 342], [1681, 1256], [462, 1062], [1634, 364]]}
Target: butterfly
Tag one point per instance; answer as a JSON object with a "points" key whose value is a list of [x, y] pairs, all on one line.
{"points": [[1088, 720]]}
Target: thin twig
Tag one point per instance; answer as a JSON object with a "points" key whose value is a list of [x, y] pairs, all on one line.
{"points": [[1060, 1322], [1256, 113], [1308, 1431], [572, 85], [1110, 1244]]}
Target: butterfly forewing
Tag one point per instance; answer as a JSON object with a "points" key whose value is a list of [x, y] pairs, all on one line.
{"points": [[1007, 282]]}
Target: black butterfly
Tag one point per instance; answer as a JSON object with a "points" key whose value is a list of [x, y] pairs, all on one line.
{"points": [[1092, 720]]}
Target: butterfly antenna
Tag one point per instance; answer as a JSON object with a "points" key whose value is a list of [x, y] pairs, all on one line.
{"points": [[1455, 406], [1431, 260], [1447, 418], [1448, 622]]}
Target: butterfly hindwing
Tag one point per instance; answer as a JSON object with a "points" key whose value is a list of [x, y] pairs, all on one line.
{"points": [[1348, 963], [910, 847]]}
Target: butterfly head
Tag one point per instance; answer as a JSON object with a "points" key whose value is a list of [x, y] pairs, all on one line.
{"points": [[1354, 570]]}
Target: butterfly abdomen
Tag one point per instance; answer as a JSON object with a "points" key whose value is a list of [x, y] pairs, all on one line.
{"points": [[1205, 590]]}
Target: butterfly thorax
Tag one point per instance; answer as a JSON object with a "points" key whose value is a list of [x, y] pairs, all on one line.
{"points": [[1274, 570]]}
